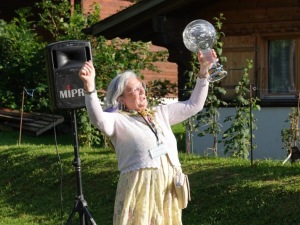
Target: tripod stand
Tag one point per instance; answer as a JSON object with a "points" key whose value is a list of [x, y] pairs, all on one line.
{"points": [[80, 205]]}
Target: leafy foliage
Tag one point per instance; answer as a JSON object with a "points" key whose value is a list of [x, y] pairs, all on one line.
{"points": [[119, 55], [210, 117], [58, 21], [158, 89], [290, 135], [237, 137], [62, 22], [218, 47], [21, 63]]}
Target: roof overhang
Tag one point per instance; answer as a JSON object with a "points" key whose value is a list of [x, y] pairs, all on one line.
{"points": [[137, 22]]}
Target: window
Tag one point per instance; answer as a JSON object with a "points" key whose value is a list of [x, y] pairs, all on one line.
{"points": [[276, 71], [282, 73]]}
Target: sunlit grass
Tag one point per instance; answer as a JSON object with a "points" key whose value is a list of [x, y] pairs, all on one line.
{"points": [[224, 191]]}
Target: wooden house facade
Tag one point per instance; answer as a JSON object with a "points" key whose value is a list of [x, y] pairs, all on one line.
{"points": [[264, 31]]}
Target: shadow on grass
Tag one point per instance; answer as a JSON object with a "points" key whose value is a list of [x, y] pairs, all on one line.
{"points": [[32, 185], [242, 194], [47, 138]]}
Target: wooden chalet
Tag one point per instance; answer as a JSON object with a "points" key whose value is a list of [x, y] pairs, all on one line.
{"points": [[264, 31]]}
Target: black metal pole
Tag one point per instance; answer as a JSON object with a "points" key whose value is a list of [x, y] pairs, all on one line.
{"points": [[251, 143], [80, 205]]}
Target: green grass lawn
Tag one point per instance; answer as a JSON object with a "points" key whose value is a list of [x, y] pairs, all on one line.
{"points": [[38, 185]]}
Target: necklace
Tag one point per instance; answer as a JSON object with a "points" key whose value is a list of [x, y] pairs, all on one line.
{"points": [[149, 121], [143, 113]]}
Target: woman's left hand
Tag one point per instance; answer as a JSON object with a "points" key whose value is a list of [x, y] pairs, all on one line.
{"points": [[206, 61]]}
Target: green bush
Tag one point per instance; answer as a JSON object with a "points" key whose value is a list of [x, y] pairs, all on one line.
{"points": [[22, 58], [21, 64]]}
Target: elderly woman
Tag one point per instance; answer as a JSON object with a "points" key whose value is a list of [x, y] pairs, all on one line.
{"points": [[145, 145]]}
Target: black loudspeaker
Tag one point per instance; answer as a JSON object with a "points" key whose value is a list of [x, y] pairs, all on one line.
{"points": [[64, 60]]}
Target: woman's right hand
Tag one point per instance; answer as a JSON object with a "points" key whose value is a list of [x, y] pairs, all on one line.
{"points": [[87, 74]]}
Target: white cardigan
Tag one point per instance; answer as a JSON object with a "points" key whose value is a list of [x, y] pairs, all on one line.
{"points": [[132, 138]]}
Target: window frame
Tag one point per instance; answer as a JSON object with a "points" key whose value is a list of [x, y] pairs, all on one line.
{"points": [[278, 98]]}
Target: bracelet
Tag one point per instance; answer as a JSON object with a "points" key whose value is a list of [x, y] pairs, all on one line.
{"points": [[89, 92], [202, 76]]}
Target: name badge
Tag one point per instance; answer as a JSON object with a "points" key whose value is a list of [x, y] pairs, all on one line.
{"points": [[158, 151]]}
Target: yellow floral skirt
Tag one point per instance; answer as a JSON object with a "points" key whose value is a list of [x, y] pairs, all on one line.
{"points": [[145, 197]]}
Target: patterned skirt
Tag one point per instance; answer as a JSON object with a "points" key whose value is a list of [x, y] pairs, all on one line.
{"points": [[146, 197]]}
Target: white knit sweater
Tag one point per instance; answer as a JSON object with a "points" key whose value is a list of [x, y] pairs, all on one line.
{"points": [[132, 138]]}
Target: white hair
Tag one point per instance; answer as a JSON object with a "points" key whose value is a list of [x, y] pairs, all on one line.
{"points": [[116, 88]]}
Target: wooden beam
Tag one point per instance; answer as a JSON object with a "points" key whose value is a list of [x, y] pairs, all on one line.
{"points": [[33, 123]]}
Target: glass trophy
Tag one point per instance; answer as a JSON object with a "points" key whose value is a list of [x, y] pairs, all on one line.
{"points": [[200, 35]]}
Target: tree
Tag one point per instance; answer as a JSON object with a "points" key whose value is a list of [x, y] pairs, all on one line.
{"points": [[58, 21]]}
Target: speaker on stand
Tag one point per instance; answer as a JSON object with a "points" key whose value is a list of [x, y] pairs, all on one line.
{"points": [[64, 60]]}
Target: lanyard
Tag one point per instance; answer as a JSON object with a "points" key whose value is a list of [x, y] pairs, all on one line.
{"points": [[152, 127]]}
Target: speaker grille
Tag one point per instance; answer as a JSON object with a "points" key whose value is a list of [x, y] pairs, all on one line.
{"points": [[69, 89]]}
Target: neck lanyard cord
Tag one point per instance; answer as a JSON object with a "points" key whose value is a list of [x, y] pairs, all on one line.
{"points": [[152, 129]]}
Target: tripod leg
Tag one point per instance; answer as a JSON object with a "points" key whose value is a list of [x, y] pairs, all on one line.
{"points": [[89, 216], [69, 221], [85, 215]]}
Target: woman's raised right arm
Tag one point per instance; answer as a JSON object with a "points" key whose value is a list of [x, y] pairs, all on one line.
{"points": [[102, 120]]}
